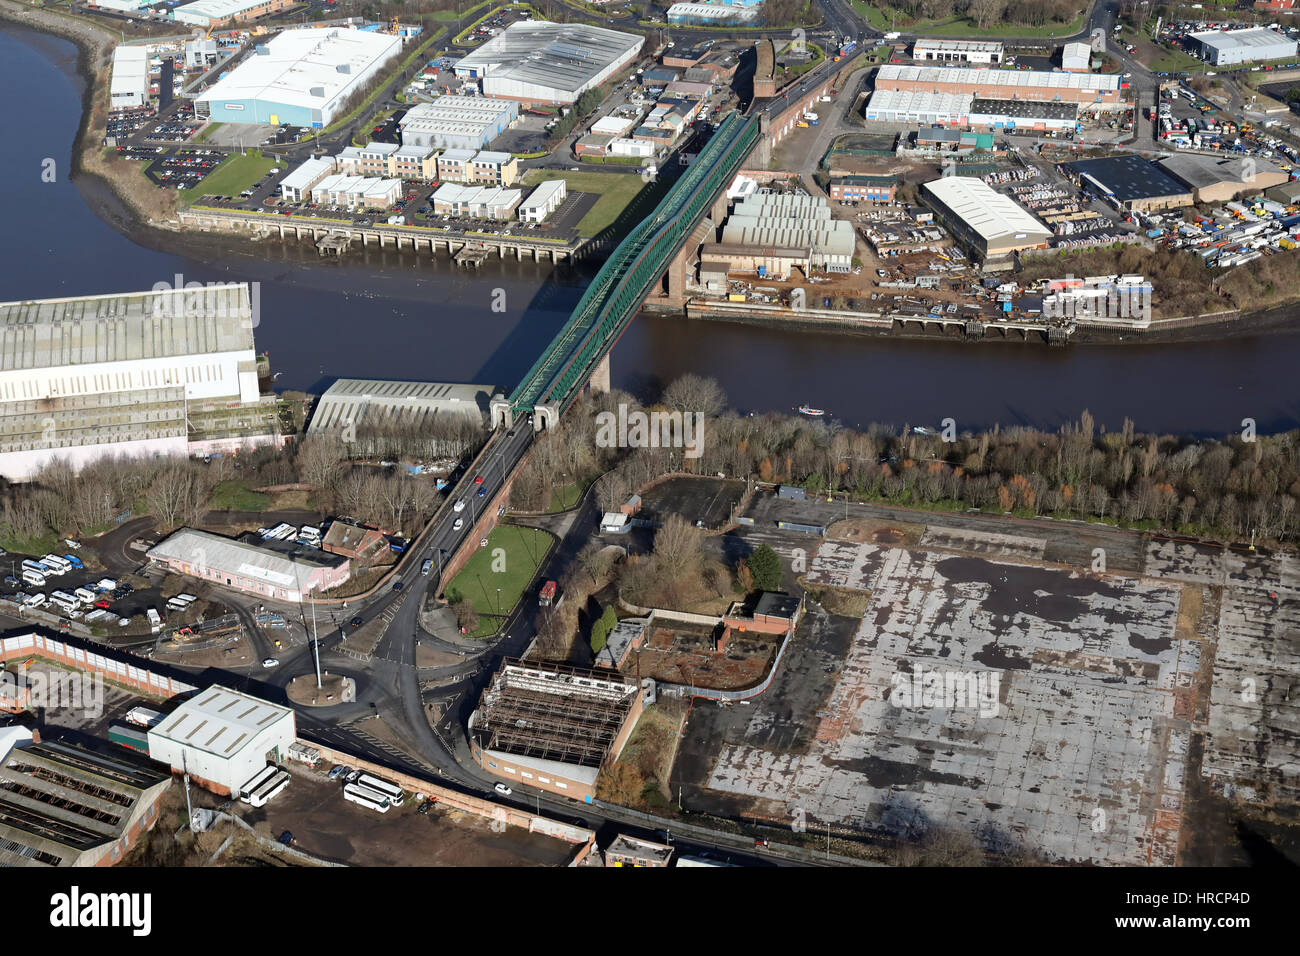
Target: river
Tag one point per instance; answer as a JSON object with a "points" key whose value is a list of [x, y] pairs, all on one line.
{"points": [[389, 315]]}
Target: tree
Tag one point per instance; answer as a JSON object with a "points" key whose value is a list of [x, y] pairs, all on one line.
{"points": [[320, 461], [695, 393], [765, 565], [985, 12], [466, 616], [601, 629]]}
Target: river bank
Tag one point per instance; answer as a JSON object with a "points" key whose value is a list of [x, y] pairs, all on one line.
{"points": [[1184, 330]]}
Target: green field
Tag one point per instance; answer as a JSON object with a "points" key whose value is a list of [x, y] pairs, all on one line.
{"points": [[235, 495], [494, 579], [617, 190], [235, 174]]}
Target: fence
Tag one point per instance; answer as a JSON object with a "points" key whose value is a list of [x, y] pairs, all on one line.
{"points": [[112, 666]]}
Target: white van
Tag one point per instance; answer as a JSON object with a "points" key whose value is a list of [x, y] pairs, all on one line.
{"points": [[63, 565], [36, 600], [85, 595], [33, 577], [155, 622]]}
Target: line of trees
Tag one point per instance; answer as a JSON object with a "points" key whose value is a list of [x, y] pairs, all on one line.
{"points": [[985, 13], [1229, 487]]}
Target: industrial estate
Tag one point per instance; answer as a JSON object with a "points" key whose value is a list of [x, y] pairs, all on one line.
{"points": [[576, 627]]}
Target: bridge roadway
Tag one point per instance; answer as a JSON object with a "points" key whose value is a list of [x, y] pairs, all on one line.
{"points": [[615, 295]]}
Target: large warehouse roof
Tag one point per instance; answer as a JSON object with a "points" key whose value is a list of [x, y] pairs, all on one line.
{"points": [[1254, 38], [219, 721], [920, 101], [957, 46], [458, 114], [1010, 79], [258, 562], [988, 213], [1201, 171], [1126, 178], [48, 333], [562, 56], [368, 401], [214, 9], [306, 68]]}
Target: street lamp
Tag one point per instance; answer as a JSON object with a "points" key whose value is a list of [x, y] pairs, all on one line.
{"points": [[315, 640]]}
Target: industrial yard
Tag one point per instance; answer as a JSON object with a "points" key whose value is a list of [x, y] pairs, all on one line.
{"points": [[988, 687]]}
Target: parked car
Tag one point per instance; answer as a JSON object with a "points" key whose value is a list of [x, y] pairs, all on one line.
{"points": [[271, 662], [338, 770], [286, 837], [352, 776], [502, 789]]}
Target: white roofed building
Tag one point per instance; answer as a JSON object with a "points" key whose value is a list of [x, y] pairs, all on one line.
{"points": [[543, 200], [982, 219], [300, 77], [129, 86], [215, 13], [284, 571], [1229, 47], [133, 374], [223, 738], [297, 186], [540, 62], [458, 122]]}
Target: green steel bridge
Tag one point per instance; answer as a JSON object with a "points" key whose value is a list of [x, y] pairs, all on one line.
{"points": [[615, 295]]}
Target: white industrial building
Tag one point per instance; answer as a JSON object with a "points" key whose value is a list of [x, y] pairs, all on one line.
{"points": [[300, 77], [542, 62], [957, 51], [458, 122], [710, 14], [223, 738], [792, 221], [212, 13], [121, 6], [631, 147], [988, 223], [615, 125], [1076, 57], [200, 54], [354, 403], [911, 106], [132, 374], [297, 186], [1096, 91], [129, 86], [543, 200], [1228, 47], [963, 110], [282, 570]]}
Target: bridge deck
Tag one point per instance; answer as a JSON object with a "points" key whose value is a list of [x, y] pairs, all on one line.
{"points": [[623, 282]]}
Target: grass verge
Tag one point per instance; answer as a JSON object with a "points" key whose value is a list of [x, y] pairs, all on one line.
{"points": [[494, 578], [617, 191]]}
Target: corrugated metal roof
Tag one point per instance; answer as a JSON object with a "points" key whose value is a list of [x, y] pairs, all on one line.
{"points": [[219, 721], [563, 56], [47, 333], [987, 212], [1011, 79]]}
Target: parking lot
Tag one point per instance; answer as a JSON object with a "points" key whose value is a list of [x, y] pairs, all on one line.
{"points": [[325, 825], [183, 169]]}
